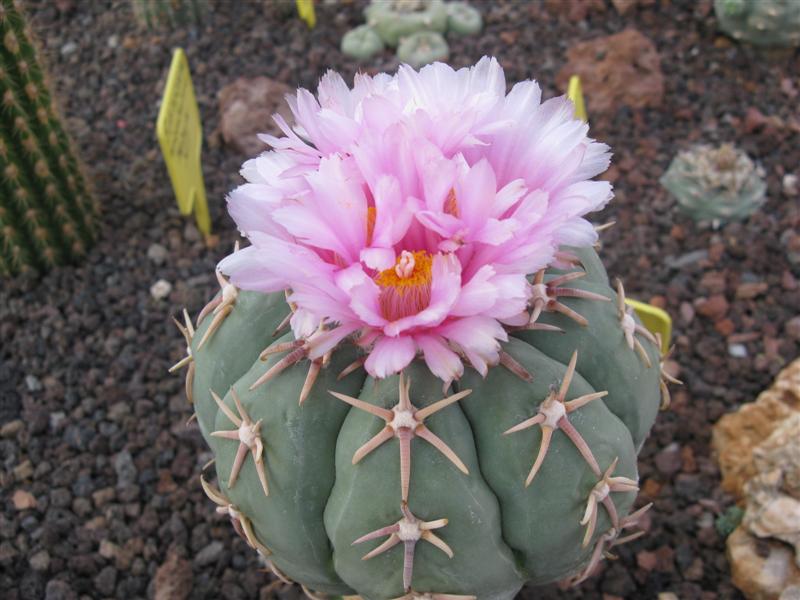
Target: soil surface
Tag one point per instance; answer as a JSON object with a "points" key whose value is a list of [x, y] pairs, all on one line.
{"points": [[100, 474]]}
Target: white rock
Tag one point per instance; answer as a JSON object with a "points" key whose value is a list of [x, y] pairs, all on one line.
{"points": [[737, 350], [157, 253], [160, 289], [68, 48], [32, 383], [790, 184]]}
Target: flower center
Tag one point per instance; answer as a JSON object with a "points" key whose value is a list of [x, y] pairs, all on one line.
{"points": [[406, 287]]}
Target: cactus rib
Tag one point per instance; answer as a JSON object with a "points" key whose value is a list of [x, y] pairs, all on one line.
{"points": [[545, 296], [552, 415], [248, 434], [408, 530], [405, 421]]}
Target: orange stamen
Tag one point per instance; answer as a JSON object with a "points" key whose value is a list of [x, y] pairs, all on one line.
{"points": [[406, 287], [451, 204], [372, 213]]}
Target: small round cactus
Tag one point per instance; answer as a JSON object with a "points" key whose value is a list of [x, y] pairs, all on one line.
{"points": [[462, 19], [715, 184], [422, 48], [362, 43], [760, 22], [396, 19]]}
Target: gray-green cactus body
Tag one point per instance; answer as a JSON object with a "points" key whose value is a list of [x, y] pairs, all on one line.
{"points": [[396, 19], [362, 42], [463, 19], [715, 184], [760, 22], [422, 48], [475, 527]]}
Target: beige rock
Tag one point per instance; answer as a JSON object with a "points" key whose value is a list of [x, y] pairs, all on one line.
{"points": [[737, 434], [781, 452], [761, 569], [791, 593], [246, 107], [621, 69], [773, 496], [23, 500], [759, 452]]}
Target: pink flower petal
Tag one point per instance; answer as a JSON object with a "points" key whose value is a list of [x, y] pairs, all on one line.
{"points": [[478, 295], [443, 362], [390, 355]]}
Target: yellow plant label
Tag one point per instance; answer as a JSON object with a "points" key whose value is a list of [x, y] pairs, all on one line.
{"points": [[656, 320], [305, 8], [575, 93], [180, 136]]}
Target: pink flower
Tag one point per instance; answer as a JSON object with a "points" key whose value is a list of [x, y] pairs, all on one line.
{"points": [[411, 210]]}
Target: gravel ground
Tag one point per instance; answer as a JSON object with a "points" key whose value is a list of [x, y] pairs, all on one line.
{"points": [[99, 473]]}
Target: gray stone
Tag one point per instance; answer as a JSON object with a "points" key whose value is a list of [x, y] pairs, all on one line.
{"points": [[209, 555]]}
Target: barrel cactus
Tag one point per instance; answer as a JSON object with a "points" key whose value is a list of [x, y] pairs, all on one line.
{"points": [[417, 381], [47, 216], [760, 22], [715, 184]]}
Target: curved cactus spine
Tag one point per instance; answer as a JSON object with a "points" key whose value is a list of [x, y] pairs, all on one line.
{"points": [[465, 479], [45, 193]]}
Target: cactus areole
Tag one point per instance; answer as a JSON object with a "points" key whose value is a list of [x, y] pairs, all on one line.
{"points": [[417, 380]]}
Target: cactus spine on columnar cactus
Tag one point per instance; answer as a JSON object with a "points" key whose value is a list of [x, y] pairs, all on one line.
{"points": [[459, 403], [47, 216], [169, 13]]}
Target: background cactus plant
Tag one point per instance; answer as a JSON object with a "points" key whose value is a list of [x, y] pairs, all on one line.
{"points": [[362, 42], [716, 184], [397, 19], [415, 27], [169, 13], [359, 466], [462, 19], [760, 22], [47, 216], [422, 48]]}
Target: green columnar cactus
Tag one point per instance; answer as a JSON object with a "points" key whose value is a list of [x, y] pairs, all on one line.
{"points": [[389, 487], [169, 13], [760, 22], [715, 184], [47, 216]]}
